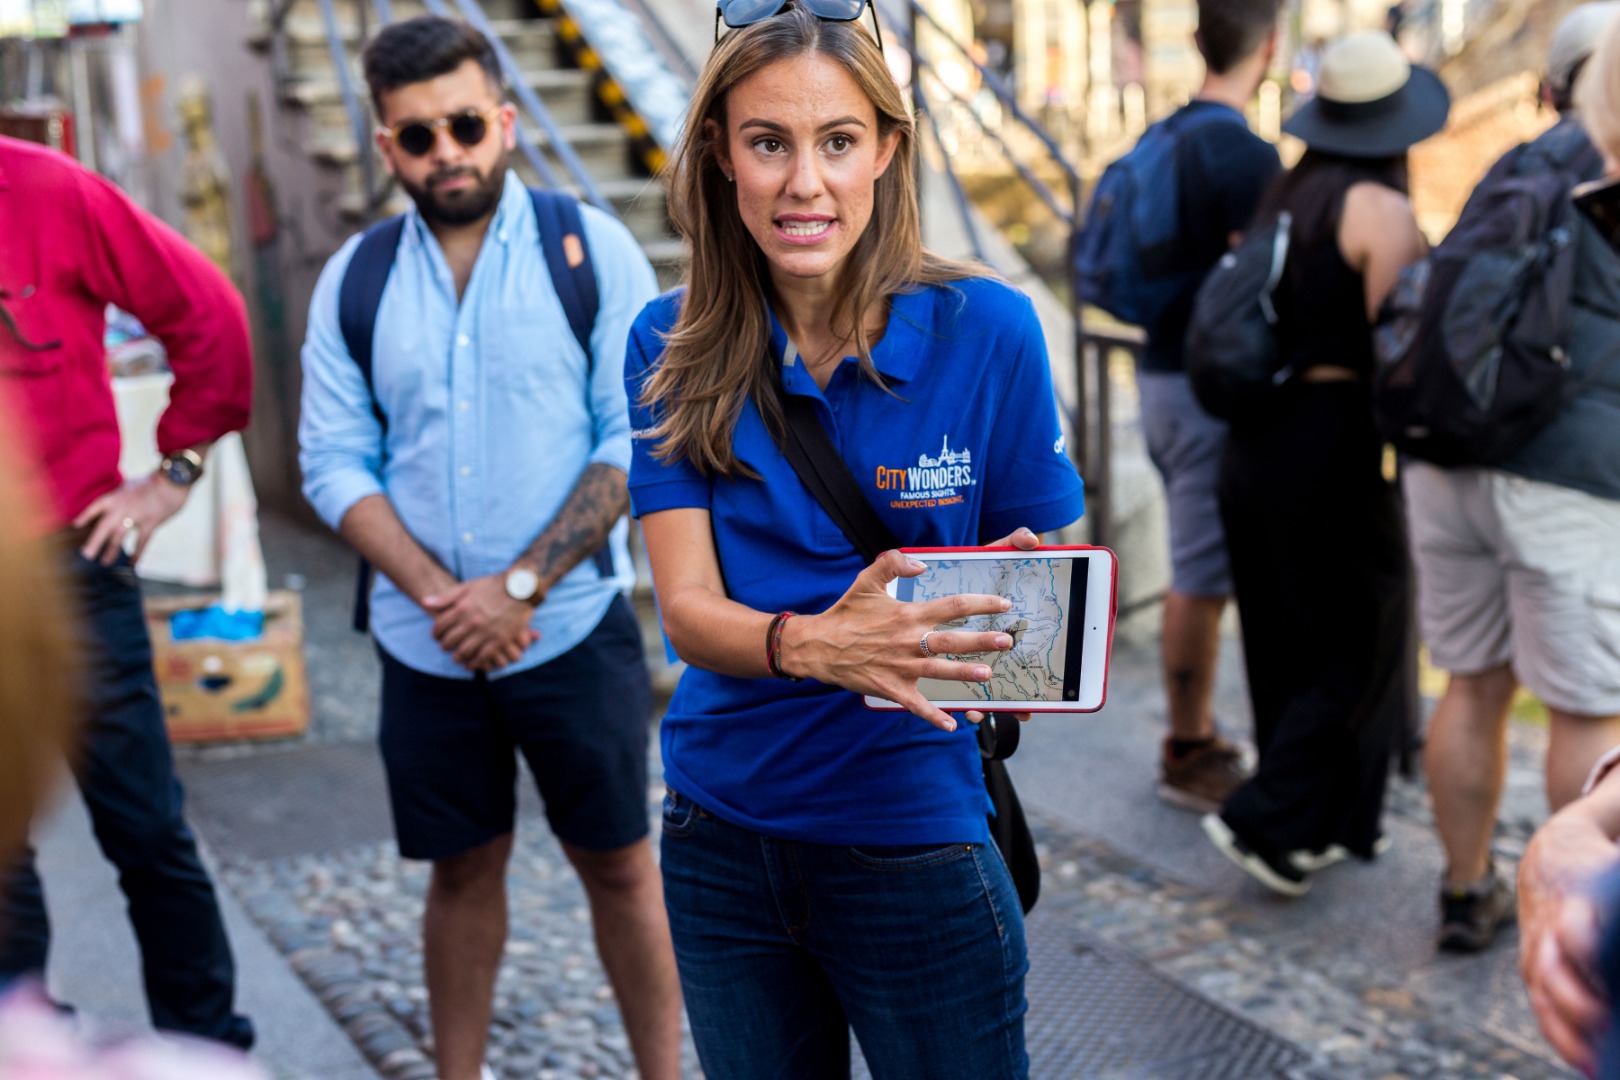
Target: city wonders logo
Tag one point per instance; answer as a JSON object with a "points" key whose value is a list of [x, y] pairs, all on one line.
{"points": [[933, 481]]}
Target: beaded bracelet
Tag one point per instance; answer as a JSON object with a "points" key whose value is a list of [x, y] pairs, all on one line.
{"points": [[773, 647]]}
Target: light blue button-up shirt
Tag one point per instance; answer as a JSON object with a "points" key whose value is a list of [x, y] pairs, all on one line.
{"points": [[490, 418]]}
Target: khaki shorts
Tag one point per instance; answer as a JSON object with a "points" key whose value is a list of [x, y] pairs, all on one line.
{"points": [[1520, 571]]}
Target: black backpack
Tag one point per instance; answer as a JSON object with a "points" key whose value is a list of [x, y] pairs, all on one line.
{"points": [[1234, 360], [1472, 343]]}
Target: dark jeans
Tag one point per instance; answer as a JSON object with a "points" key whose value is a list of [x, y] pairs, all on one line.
{"points": [[784, 946], [1318, 548], [126, 774]]}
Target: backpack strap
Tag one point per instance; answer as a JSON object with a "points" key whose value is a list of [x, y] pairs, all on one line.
{"points": [[359, 297], [568, 258], [573, 275]]}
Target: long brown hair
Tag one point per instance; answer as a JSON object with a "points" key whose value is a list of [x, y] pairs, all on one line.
{"points": [[715, 357]]}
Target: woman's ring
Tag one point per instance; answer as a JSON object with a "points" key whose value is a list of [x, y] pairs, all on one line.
{"points": [[129, 523], [926, 651]]}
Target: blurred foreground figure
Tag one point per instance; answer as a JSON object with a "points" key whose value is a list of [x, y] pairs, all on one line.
{"points": [[38, 657]]}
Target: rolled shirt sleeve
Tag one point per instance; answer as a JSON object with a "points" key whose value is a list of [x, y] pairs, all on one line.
{"points": [[625, 283], [656, 485], [340, 439]]}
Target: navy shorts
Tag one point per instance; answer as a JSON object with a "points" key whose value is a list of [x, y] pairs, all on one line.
{"points": [[580, 720]]}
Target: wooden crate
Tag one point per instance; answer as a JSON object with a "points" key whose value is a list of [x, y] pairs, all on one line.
{"points": [[216, 690]]}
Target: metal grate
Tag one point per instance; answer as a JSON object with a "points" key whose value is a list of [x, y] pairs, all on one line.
{"points": [[1097, 1011]]}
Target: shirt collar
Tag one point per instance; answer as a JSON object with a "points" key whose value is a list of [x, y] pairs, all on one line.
{"points": [[511, 212], [898, 355]]}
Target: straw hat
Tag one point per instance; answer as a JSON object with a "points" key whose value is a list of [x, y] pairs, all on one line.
{"points": [[1371, 101]]}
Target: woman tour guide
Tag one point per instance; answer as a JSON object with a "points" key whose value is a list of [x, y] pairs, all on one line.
{"points": [[827, 866]]}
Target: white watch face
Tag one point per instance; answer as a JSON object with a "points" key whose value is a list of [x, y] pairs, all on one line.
{"points": [[522, 583]]}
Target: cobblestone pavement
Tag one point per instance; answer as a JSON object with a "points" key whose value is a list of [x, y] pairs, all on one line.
{"points": [[1314, 986]]}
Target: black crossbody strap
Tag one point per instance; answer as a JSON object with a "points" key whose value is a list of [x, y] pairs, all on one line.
{"points": [[810, 450]]}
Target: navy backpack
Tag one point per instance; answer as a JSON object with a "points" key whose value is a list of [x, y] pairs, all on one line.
{"points": [[1128, 260], [568, 259]]}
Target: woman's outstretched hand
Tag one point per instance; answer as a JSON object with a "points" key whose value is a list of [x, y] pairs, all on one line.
{"points": [[871, 643]]}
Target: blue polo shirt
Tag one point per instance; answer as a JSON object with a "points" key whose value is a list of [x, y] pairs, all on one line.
{"points": [[965, 450]]}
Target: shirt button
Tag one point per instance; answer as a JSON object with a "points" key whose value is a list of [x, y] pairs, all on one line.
{"points": [[466, 470], [466, 538], [463, 340], [464, 405]]}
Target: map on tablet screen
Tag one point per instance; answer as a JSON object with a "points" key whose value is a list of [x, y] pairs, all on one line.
{"points": [[1043, 598]]}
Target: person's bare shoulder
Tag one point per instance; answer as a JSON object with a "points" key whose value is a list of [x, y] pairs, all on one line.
{"points": [[1378, 221]]}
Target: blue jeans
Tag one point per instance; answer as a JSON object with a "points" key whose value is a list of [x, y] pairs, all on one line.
{"points": [[126, 773], [784, 946]]}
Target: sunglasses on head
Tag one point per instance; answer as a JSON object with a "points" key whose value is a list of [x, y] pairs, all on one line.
{"points": [[416, 137], [738, 13]]}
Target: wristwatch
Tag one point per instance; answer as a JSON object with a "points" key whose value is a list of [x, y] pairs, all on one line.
{"points": [[182, 468], [523, 584]]}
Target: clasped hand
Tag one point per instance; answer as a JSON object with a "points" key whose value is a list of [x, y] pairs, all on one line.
{"points": [[479, 625], [871, 643]]}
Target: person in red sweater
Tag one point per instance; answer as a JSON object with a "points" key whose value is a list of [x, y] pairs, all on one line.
{"points": [[70, 244]]}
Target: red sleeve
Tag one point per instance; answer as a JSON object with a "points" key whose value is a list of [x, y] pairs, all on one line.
{"points": [[149, 270]]}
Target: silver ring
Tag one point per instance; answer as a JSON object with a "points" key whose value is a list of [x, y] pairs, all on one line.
{"points": [[923, 644], [129, 523]]}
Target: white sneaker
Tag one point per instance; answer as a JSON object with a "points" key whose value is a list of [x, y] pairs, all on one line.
{"points": [[1312, 861], [1279, 876]]}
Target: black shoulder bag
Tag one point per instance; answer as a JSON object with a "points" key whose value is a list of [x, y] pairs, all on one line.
{"points": [[810, 450]]}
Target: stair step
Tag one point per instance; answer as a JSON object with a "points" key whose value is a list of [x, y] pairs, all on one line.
{"points": [[308, 13], [668, 258], [567, 95], [533, 44]]}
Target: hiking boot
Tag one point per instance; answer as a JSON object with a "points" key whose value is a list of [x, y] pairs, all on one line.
{"points": [[1470, 915], [1333, 854], [1272, 869], [1201, 778]]}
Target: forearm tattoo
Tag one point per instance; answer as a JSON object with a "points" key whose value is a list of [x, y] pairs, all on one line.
{"points": [[598, 501]]}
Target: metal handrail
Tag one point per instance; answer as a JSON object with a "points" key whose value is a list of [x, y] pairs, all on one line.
{"points": [[664, 41], [474, 14], [997, 87], [359, 122], [964, 206], [1090, 411]]}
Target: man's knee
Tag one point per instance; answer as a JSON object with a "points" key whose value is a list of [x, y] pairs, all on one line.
{"points": [[478, 871], [1487, 693], [622, 872]]}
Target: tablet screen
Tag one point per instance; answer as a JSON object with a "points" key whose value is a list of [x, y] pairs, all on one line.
{"points": [[1048, 599]]}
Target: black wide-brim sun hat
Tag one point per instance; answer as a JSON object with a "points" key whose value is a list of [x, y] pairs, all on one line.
{"points": [[1371, 102]]}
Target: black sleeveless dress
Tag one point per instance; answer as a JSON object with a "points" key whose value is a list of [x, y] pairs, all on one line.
{"points": [[1320, 571]]}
